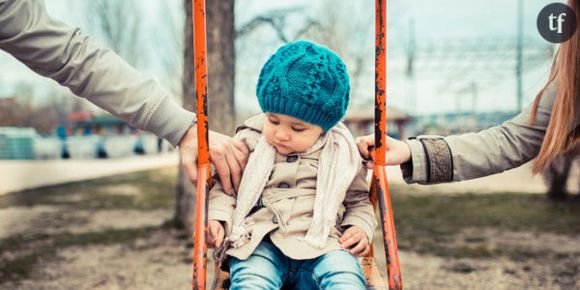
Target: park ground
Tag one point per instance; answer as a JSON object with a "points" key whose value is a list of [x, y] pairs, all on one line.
{"points": [[115, 233]]}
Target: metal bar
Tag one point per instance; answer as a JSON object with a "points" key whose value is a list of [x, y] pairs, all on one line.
{"points": [[200, 230], [388, 226], [380, 81], [373, 197], [203, 173], [379, 171]]}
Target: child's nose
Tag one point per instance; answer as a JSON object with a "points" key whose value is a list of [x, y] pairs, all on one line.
{"points": [[282, 135]]}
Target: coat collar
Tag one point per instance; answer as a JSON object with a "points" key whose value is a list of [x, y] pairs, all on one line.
{"points": [[255, 123]]}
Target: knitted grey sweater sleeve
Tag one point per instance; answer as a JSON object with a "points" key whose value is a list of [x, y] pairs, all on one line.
{"points": [[437, 159], [60, 52]]}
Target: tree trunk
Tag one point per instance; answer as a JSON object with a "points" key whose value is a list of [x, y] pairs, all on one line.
{"points": [[556, 175], [221, 72], [221, 61]]}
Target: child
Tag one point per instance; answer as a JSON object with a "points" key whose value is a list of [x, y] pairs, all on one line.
{"points": [[302, 211]]}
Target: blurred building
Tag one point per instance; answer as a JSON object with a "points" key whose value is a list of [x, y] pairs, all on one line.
{"points": [[458, 123], [360, 121], [7, 103], [83, 124], [17, 143]]}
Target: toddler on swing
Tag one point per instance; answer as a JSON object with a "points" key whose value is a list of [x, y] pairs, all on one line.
{"points": [[302, 212]]}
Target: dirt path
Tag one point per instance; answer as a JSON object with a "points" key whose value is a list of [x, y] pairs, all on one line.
{"points": [[161, 261], [25, 174], [110, 234]]}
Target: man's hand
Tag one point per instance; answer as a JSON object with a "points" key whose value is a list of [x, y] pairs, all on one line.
{"points": [[356, 238], [228, 155], [216, 234]]}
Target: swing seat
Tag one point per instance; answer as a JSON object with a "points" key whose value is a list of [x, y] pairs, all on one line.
{"points": [[374, 279]]}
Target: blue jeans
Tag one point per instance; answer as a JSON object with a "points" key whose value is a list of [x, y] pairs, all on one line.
{"points": [[269, 268]]}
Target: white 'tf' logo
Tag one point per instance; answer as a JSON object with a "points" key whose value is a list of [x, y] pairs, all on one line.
{"points": [[558, 19]]}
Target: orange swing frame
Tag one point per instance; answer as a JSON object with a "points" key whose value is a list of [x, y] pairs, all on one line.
{"points": [[379, 186]]}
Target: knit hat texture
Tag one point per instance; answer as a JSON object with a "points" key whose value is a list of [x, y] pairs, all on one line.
{"points": [[305, 81]]}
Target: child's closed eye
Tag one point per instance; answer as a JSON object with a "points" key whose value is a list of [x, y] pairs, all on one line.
{"points": [[273, 121]]}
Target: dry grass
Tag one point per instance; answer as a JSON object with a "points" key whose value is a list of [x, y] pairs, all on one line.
{"points": [[113, 233]]}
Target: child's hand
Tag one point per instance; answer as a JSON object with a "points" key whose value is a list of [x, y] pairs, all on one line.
{"points": [[216, 233], [355, 236]]}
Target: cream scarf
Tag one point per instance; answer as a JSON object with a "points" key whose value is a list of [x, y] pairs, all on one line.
{"points": [[337, 167]]}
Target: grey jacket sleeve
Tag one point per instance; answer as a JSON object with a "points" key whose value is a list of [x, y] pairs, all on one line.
{"points": [[436, 159], [55, 50]]}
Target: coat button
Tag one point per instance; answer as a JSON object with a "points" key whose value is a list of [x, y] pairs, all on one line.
{"points": [[283, 185], [292, 158], [275, 219]]}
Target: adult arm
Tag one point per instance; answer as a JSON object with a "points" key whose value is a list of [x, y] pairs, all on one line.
{"points": [[454, 158], [53, 49]]}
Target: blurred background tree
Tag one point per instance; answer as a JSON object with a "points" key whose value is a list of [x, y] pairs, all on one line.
{"points": [[221, 76]]}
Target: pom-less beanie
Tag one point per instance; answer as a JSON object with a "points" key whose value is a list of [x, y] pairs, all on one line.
{"points": [[305, 81]]}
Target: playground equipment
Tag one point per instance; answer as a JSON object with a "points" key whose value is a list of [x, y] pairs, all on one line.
{"points": [[379, 186]]}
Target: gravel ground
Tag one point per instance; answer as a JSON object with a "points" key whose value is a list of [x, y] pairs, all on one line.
{"points": [[67, 242]]}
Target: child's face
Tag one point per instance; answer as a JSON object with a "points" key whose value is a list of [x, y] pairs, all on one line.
{"points": [[290, 135]]}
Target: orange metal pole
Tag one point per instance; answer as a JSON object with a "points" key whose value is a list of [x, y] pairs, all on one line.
{"points": [[203, 173], [380, 174]]}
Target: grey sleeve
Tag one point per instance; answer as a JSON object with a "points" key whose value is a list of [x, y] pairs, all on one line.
{"points": [[437, 159], [55, 50]]}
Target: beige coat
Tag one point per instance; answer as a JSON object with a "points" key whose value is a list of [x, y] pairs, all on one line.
{"points": [[287, 203], [53, 49]]}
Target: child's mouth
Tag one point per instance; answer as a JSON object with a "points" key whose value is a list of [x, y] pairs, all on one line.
{"points": [[282, 149]]}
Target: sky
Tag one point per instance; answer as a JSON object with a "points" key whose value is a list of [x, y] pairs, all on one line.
{"points": [[435, 90], [492, 22]]}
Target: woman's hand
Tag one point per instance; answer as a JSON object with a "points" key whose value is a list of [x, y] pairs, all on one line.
{"points": [[216, 234], [398, 152], [356, 238], [228, 155]]}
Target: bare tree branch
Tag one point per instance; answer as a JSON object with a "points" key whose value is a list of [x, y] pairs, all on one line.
{"points": [[119, 23], [276, 19]]}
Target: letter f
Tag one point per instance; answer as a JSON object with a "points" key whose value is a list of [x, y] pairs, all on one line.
{"points": [[560, 20]]}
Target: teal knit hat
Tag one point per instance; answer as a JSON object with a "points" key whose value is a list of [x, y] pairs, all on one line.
{"points": [[305, 81]]}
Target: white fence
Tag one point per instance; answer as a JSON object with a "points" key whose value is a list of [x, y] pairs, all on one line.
{"points": [[25, 143]]}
